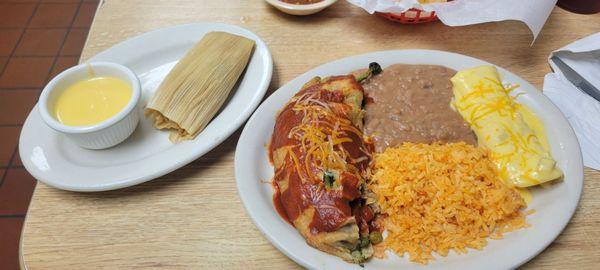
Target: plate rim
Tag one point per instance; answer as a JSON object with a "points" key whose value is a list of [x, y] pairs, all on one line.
{"points": [[261, 90], [301, 261]]}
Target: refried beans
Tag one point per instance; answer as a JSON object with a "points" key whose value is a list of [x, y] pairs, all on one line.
{"points": [[411, 103]]}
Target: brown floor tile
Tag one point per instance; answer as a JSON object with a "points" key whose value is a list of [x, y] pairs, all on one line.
{"points": [[74, 42], [54, 15], [15, 14], [26, 72], [41, 42], [16, 191], [62, 63], [9, 246], [15, 105], [8, 40], [9, 138], [85, 15]]}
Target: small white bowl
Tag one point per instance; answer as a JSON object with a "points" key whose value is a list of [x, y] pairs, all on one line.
{"points": [[107, 133], [301, 9]]}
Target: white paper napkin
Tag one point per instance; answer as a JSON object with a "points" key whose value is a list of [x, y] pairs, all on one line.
{"points": [[582, 111], [533, 13]]}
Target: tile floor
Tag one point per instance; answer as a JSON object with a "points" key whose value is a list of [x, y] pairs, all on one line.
{"points": [[38, 39]]}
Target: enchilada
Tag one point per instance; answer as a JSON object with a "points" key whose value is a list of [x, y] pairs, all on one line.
{"points": [[510, 130], [321, 163]]}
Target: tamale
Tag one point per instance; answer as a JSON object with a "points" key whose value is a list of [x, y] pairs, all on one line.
{"points": [[196, 88]]}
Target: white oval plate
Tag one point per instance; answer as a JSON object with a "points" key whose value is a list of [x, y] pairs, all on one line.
{"points": [[554, 205], [148, 153]]}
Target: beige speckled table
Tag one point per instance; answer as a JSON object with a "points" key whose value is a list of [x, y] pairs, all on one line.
{"points": [[193, 218]]}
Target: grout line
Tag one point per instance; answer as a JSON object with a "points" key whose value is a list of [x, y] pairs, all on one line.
{"points": [[12, 53], [13, 216], [4, 174], [9, 165]]}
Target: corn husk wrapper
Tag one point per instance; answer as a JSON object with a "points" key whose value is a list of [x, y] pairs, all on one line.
{"points": [[196, 88]]}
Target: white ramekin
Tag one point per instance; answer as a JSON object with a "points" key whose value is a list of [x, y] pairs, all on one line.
{"points": [[301, 9], [107, 133]]}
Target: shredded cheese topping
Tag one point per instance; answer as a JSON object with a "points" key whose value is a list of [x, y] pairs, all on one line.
{"points": [[321, 135], [503, 105]]}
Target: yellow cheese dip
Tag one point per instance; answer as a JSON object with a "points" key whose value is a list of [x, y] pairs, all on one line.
{"points": [[91, 101]]}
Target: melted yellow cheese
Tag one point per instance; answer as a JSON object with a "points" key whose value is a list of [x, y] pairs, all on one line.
{"points": [[534, 123], [512, 132], [539, 130], [91, 101], [525, 194]]}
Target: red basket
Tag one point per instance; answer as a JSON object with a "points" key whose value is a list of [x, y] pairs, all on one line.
{"points": [[411, 16]]}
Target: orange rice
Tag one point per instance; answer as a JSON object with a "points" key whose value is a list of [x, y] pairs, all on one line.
{"points": [[440, 197]]}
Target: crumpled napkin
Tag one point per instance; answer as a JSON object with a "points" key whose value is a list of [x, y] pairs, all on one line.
{"points": [[533, 13], [582, 111]]}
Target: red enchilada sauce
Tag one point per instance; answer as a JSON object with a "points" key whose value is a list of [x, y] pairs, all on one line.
{"points": [[364, 215], [278, 205], [313, 128]]}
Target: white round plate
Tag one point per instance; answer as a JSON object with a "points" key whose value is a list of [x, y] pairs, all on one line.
{"points": [[148, 153], [554, 205]]}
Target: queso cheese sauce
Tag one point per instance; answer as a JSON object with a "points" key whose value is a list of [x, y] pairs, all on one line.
{"points": [[91, 101], [411, 103]]}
